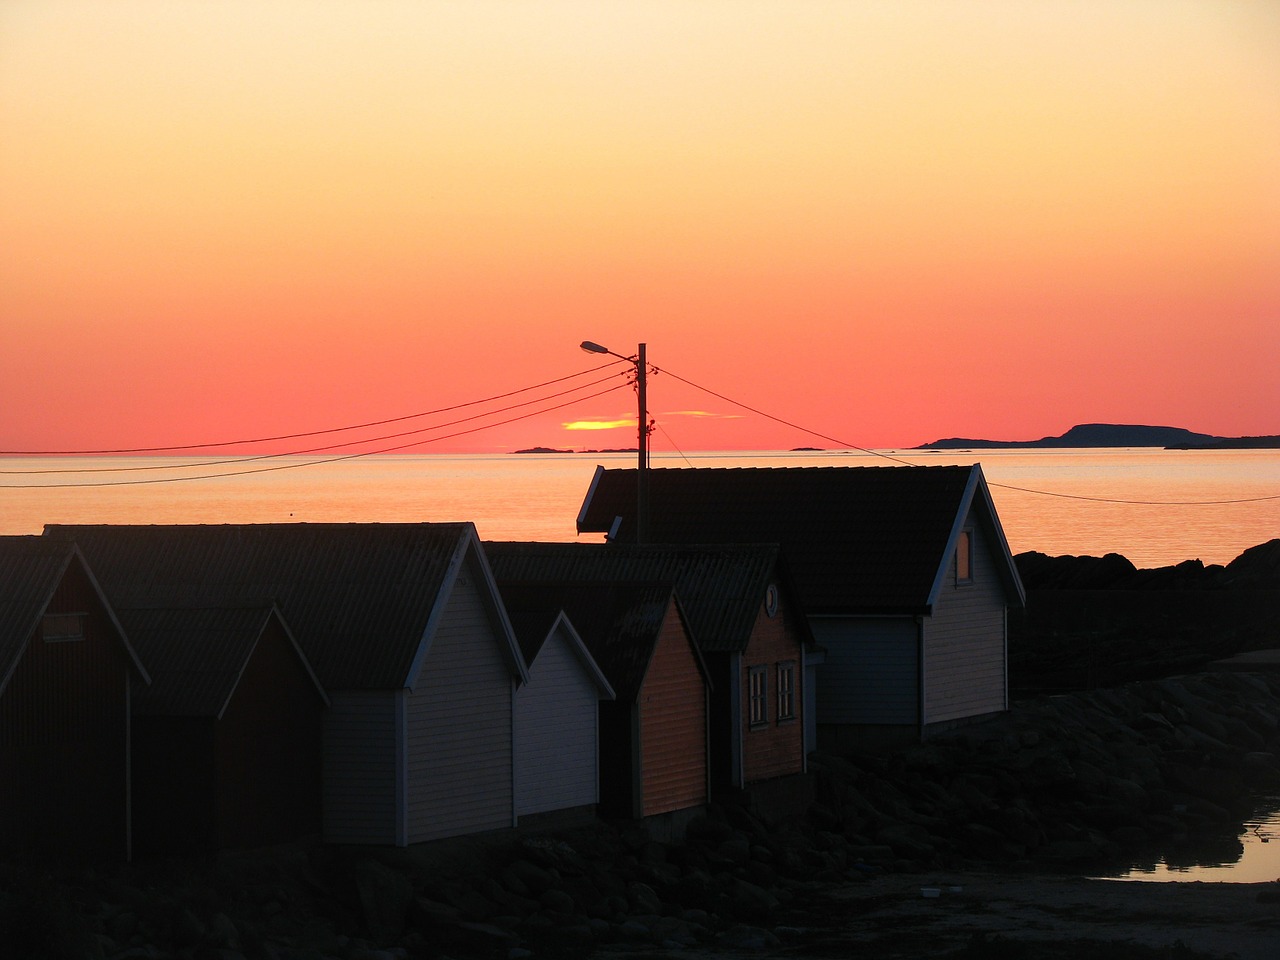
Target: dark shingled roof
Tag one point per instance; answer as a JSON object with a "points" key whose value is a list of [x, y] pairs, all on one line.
{"points": [[855, 539], [358, 596], [196, 655], [720, 587], [30, 570], [619, 623]]}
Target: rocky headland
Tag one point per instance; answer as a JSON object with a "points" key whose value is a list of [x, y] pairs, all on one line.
{"points": [[1067, 783]]}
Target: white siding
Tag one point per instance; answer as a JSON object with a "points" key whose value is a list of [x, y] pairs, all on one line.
{"points": [[459, 725], [360, 768], [965, 655], [869, 675], [557, 722]]}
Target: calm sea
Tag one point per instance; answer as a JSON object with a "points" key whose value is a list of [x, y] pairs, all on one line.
{"points": [[1172, 505]]}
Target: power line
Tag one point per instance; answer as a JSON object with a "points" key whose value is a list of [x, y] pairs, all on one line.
{"points": [[297, 436], [334, 446], [1003, 486], [328, 460], [403, 446]]}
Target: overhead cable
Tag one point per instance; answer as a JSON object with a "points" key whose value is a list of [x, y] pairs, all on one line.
{"points": [[327, 460], [333, 446], [990, 483]]}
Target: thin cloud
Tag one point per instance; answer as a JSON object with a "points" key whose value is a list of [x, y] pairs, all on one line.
{"points": [[704, 414], [598, 424], [630, 422]]}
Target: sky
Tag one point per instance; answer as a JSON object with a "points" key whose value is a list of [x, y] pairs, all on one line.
{"points": [[867, 224]]}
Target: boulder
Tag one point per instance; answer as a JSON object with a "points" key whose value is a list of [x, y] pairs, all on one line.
{"points": [[385, 898]]}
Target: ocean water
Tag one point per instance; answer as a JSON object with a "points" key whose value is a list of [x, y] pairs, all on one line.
{"points": [[1155, 507], [1251, 856]]}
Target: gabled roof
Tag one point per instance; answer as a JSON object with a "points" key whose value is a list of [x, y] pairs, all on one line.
{"points": [[198, 655], [619, 623], [31, 568], [536, 619], [865, 540], [721, 587], [363, 599]]}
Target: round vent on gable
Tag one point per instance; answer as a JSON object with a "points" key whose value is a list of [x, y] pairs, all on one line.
{"points": [[771, 600]]}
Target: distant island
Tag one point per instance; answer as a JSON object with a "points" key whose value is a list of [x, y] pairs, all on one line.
{"points": [[1116, 435], [1081, 435]]}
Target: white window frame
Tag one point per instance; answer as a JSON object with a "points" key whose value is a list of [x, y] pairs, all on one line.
{"points": [[786, 671], [758, 695]]}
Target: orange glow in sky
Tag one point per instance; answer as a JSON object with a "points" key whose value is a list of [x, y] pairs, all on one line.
{"points": [[886, 222]]}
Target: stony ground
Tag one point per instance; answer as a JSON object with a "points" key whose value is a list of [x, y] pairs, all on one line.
{"points": [[1005, 811], [1003, 915]]}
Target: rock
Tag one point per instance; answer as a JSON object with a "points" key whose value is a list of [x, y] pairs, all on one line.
{"points": [[557, 901], [528, 875], [472, 906], [907, 841], [643, 899], [672, 932], [481, 938], [187, 930], [743, 937], [1078, 851], [1257, 567], [122, 925], [735, 850], [222, 931], [385, 898], [761, 874], [633, 930], [707, 832], [431, 912], [755, 901]]}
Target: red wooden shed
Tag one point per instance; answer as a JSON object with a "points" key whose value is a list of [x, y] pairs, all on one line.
{"points": [[653, 736], [751, 634]]}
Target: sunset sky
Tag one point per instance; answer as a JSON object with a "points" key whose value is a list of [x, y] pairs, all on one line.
{"points": [[887, 222]]}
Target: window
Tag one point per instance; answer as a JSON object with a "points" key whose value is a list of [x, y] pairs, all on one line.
{"points": [[61, 627], [964, 557], [759, 678], [787, 691]]}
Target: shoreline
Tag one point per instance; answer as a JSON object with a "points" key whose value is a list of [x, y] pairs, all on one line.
{"points": [[1019, 812]]}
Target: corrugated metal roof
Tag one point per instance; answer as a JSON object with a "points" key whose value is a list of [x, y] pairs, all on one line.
{"points": [[358, 596], [30, 570], [195, 655], [619, 622], [721, 587], [855, 539]]}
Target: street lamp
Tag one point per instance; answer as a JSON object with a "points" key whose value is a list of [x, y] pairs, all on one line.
{"points": [[642, 463]]}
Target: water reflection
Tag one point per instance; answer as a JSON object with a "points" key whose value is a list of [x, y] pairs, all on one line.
{"points": [[1253, 856]]}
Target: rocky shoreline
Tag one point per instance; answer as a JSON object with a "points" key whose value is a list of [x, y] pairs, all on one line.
{"points": [[1065, 784], [1095, 622]]}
